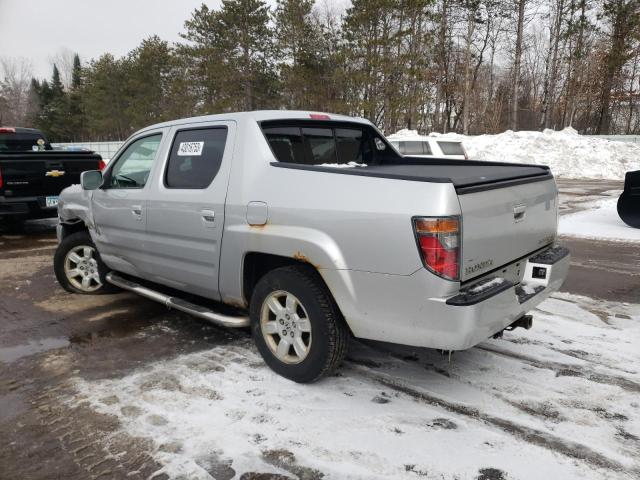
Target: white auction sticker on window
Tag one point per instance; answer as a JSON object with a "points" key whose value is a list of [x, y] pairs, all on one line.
{"points": [[187, 149]]}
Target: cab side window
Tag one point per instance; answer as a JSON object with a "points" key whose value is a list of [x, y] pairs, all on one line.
{"points": [[196, 156], [133, 166]]}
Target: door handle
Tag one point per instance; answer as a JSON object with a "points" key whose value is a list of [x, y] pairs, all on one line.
{"points": [[136, 210], [519, 212], [208, 216]]}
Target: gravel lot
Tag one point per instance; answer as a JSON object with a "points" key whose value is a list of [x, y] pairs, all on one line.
{"points": [[118, 387]]}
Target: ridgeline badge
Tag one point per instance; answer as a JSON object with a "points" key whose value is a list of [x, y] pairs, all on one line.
{"points": [[478, 266]]}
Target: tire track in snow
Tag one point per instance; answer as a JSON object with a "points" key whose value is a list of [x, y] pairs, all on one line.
{"points": [[568, 370], [530, 435]]}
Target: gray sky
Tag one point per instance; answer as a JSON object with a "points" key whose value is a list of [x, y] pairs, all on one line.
{"points": [[41, 29]]}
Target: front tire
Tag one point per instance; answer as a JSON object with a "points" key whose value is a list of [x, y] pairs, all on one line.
{"points": [[296, 325], [78, 266]]}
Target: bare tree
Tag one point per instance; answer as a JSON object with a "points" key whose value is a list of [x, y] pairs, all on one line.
{"points": [[515, 85], [15, 84], [64, 61]]}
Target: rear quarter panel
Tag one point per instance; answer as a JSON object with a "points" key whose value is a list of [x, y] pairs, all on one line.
{"points": [[333, 221]]}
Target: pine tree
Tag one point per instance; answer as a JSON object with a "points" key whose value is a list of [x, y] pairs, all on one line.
{"points": [[300, 53], [76, 110], [244, 35]]}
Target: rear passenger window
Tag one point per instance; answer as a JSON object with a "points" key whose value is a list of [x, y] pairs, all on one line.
{"points": [[195, 157]]}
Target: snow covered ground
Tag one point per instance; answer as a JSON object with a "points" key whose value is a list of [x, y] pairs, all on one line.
{"points": [[559, 401], [569, 154], [599, 220]]}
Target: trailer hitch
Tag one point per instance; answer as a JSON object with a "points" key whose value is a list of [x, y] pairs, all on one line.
{"points": [[525, 321]]}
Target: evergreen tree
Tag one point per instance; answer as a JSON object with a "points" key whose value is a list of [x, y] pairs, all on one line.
{"points": [[233, 55], [245, 37], [76, 110], [53, 117], [105, 97], [299, 47]]}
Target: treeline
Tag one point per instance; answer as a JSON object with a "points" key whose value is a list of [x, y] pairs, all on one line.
{"points": [[472, 66]]}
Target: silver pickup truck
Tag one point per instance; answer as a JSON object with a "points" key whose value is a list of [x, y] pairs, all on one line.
{"points": [[311, 228]]}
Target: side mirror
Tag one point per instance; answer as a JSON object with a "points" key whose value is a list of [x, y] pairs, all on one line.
{"points": [[91, 179]]}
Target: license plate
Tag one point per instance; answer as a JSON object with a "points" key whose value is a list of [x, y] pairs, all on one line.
{"points": [[51, 202]]}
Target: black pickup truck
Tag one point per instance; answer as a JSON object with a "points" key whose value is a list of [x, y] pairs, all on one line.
{"points": [[32, 173]]}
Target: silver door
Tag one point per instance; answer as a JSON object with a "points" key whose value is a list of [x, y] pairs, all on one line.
{"points": [[186, 208], [119, 206]]}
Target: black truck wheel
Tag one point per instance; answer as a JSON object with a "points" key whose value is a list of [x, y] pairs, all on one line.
{"points": [[296, 324], [78, 266]]}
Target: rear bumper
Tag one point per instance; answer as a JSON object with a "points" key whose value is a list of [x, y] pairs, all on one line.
{"points": [[25, 208], [393, 308]]}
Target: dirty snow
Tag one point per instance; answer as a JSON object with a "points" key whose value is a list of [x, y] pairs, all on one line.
{"points": [[599, 220], [484, 286], [558, 401], [569, 154]]}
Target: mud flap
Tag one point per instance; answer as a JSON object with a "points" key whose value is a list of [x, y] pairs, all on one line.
{"points": [[629, 201]]}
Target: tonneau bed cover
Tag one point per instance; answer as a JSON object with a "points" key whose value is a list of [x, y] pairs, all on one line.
{"points": [[467, 176]]}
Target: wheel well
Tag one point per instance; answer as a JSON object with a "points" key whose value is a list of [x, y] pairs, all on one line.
{"points": [[257, 265], [69, 228]]}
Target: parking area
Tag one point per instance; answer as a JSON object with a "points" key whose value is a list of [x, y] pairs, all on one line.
{"points": [[116, 386]]}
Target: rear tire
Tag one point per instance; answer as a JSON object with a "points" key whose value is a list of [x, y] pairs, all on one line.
{"points": [[292, 305], [78, 266]]}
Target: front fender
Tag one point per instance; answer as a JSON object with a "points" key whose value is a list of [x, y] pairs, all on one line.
{"points": [[75, 205]]}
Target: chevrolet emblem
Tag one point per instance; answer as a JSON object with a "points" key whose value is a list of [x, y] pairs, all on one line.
{"points": [[54, 173]]}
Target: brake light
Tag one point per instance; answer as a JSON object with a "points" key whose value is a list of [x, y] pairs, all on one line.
{"points": [[319, 116], [101, 165], [439, 244], [7, 130]]}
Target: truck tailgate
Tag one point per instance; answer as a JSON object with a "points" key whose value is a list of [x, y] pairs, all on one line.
{"points": [[43, 173], [501, 225]]}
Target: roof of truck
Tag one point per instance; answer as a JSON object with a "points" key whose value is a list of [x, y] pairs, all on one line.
{"points": [[261, 115]]}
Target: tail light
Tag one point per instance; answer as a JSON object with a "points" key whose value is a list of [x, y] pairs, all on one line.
{"points": [[439, 244], [7, 130], [101, 165]]}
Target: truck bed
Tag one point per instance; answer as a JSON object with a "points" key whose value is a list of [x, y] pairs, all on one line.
{"points": [[467, 176]]}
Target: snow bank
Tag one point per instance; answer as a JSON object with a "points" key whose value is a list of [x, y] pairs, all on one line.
{"points": [[569, 154], [599, 222]]}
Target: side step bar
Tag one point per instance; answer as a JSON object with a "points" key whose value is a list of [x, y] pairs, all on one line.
{"points": [[179, 304]]}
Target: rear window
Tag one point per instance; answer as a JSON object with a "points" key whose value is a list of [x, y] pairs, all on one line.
{"points": [[317, 145], [414, 147], [18, 142], [195, 157], [451, 148], [322, 145]]}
